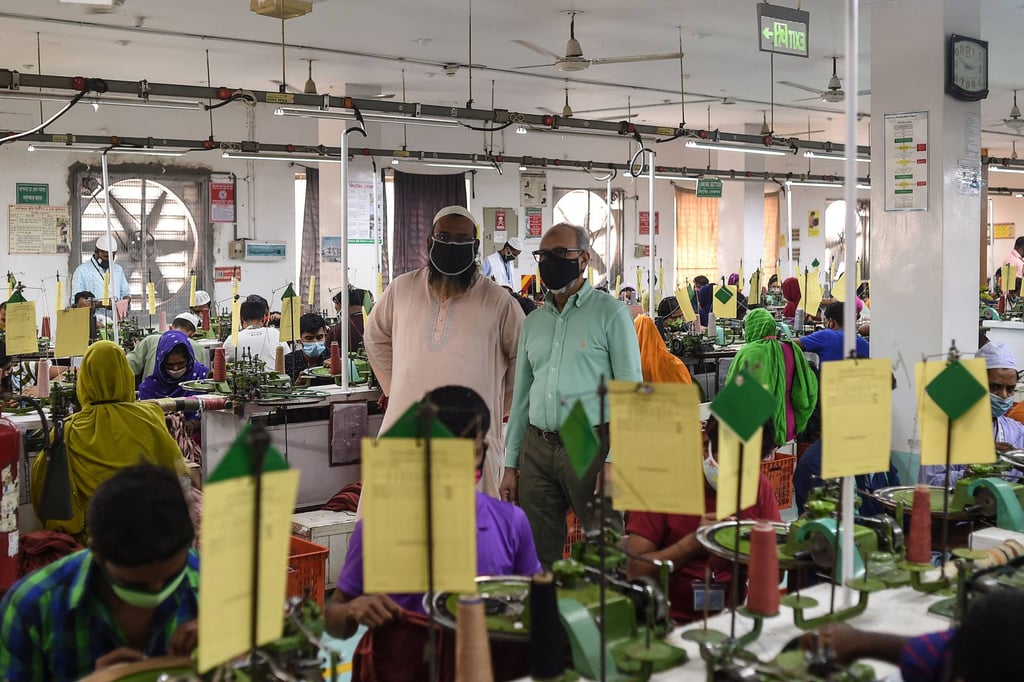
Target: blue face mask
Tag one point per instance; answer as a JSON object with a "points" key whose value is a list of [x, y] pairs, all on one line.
{"points": [[314, 348], [1000, 406]]}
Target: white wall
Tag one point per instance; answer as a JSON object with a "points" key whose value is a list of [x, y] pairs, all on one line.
{"points": [[269, 217]]}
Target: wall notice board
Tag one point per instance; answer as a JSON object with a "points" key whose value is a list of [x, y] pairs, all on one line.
{"points": [[38, 229]]}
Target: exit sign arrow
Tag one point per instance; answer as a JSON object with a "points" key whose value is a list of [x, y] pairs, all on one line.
{"points": [[782, 30]]}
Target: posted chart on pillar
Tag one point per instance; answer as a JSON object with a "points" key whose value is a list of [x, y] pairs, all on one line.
{"points": [[906, 161]]}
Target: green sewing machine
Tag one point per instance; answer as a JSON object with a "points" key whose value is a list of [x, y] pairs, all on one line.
{"points": [[636, 613]]}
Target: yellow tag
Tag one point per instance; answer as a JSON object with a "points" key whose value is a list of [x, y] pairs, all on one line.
{"points": [[234, 287], [280, 98], [60, 295], [380, 285], [855, 393], [312, 288], [106, 288], [151, 295], [192, 292]]}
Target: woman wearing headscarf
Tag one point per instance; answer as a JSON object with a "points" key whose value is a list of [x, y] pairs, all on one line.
{"points": [[782, 369], [741, 301], [175, 364], [658, 364], [791, 292], [705, 303], [111, 432]]}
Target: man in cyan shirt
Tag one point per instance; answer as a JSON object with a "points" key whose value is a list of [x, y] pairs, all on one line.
{"points": [[578, 337], [827, 343], [504, 545]]}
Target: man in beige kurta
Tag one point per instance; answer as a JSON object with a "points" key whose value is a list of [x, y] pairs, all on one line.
{"points": [[442, 325]]}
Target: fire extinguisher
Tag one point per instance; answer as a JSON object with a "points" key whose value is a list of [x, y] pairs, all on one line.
{"points": [[10, 546]]}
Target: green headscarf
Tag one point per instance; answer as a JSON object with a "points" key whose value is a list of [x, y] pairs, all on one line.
{"points": [[761, 355]]}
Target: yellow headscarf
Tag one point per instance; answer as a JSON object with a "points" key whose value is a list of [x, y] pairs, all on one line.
{"points": [[112, 432], [658, 364]]}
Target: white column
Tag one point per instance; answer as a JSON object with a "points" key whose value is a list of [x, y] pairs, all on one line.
{"points": [[924, 267]]}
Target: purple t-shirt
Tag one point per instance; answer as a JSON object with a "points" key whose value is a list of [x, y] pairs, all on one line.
{"points": [[504, 546]]}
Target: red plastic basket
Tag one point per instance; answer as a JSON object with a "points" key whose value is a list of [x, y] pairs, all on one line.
{"points": [[779, 471], [307, 568], [574, 533]]}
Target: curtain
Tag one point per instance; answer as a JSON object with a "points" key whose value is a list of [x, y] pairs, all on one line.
{"points": [[696, 236], [310, 263], [417, 199], [385, 246], [771, 235]]}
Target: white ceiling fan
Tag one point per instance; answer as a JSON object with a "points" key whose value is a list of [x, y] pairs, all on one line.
{"points": [[573, 59], [1014, 120], [832, 94]]}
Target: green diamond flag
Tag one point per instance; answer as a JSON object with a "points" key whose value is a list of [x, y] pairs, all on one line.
{"points": [[815, 263], [744, 405], [408, 426], [579, 439], [723, 294], [238, 462], [689, 289], [367, 301], [955, 391]]}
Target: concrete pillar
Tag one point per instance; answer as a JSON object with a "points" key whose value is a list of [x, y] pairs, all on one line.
{"points": [[925, 269], [741, 214]]}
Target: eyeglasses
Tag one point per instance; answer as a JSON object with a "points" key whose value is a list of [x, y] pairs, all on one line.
{"points": [[452, 238], [560, 252]]}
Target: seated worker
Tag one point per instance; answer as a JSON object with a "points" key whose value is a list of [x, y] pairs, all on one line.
{"points": [[658, 364], [1009, 434], [203, 302], [132, 595], [982, 649], [255, 338], [783, 370], [828, 342], [504, 543], [742, 304], [699, 282], [312, 332], [674, 537], [142, 358], [791, 293], [111, 432], [354, 313], [174, 364], [627, 294], [807, 475], [275, 319], [86, 299]]}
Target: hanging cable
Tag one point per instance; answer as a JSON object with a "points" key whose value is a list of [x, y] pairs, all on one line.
{"points": [[771, 81], [641, 154], [469, 102], [32, 131]]}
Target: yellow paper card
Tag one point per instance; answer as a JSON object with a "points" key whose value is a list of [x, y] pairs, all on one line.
{"points": [[236, 321], [380, 285], [225, 583], [72, 332], [860, 279], [1008, 277], [312, 288], [192, 291], [754, 298], [729, 471], [106, 289], [856, 412], [150, 298], [395, 511], [727, 310], [839, 288], [657, 462], [1020, 289], [814, 293], [291, 311], [60, 295], [234, 287], [689, 314], [973, 438], [21, 328]]}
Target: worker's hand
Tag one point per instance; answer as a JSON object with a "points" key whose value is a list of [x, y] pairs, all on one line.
{"points": [[185, 639], [711, 519], [842, 640], [374, 610], [509, 488], [1004, 447], [607, 479], [122, 655], [327, 363]]}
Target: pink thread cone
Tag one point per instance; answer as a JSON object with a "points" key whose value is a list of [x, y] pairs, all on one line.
{"points": [[763, 578], [919, 544]]}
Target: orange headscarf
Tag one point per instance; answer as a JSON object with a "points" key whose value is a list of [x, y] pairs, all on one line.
{"points": [[659, 365]]}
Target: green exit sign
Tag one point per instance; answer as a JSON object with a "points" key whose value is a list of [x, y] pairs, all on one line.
{"points": [[710, 188], [37, 194], [782, 30]]}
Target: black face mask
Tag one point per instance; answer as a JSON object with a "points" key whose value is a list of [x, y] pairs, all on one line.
{"points": [[104, 262], [507, 257], [451, 259], [558, 273]]}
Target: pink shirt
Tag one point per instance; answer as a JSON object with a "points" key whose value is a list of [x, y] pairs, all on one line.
{"points": [[1015, 258], [416, 342]]}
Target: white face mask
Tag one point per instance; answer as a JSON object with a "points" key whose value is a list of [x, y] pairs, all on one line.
{"points": [[178, 373]]}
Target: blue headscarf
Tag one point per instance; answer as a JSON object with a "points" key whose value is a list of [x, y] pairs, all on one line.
{"points": [[158, 384], [705, 302]]}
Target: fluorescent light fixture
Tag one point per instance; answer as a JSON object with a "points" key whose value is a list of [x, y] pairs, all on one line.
{"points": [[368, 117], [833, 156], [103, 99], [523, 168], [822, 183], [280, 157], [467, 166], [737, 147], [93, 149], [521, 130], [1006, 169], [676, 177], [394, 162]]}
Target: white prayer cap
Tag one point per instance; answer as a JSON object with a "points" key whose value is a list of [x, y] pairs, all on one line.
{"points": [[998, 356], [188, 317], [516, 243], [202, 298], [454, 210], [108, 244]]}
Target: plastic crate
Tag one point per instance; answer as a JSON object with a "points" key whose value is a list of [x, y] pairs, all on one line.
{"points": [[307, 568], [574, 533], [779, 471]]}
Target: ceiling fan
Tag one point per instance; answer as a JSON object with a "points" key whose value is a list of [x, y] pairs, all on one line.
{"points": [[1014, 120], [832, 94], [573, 59]]}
